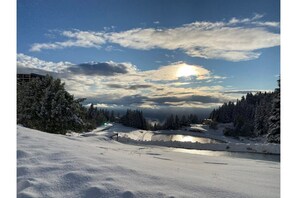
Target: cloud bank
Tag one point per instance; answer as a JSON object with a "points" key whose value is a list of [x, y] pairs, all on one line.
{"points": [[114, 84]]}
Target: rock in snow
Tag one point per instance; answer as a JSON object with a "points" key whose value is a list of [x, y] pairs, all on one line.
{"points": [[50, 165]]}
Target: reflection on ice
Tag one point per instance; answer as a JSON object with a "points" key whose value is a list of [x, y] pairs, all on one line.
{"points": [[183, 138]]}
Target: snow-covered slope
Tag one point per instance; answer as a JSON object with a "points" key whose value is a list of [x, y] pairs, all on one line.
{"points": [[51, 165]]}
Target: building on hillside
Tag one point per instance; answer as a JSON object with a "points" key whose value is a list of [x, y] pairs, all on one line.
{"points": [[28, 77]]}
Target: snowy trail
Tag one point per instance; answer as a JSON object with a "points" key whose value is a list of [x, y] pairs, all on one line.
{"points": [[66, 166]]}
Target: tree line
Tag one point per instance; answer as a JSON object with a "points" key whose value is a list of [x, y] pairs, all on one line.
{"points": [[44, 104], [136, 119], [253, 115]]}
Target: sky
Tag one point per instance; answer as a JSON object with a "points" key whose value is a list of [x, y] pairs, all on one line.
{"points": [[154, 55]]}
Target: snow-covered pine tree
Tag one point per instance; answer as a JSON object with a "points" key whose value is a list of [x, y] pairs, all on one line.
{"points": [[44, 104], [274, 121]]}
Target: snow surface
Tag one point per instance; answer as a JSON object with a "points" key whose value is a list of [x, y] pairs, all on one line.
{"points": [[50, 165]]}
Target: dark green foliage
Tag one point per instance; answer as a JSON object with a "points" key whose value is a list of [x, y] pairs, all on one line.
{"points": [[249, 115], [253, 115], [112, 117], [170, 123], [184, 121], [262, 112], [96, 117], [230, 132], [44, 104], [193, 119], [154, 126], [134, 118], [274, 120], [174, 122]]}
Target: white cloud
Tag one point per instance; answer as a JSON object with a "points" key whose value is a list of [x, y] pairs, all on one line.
{"points": [[267, 23], [235, 40], [170, 72], [35, 63], [202, 39], [235, 20], [77, 39], [253, 21]]}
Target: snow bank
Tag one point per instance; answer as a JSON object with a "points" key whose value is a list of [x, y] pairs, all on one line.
{"points": [[92, 133], [50, 165]]}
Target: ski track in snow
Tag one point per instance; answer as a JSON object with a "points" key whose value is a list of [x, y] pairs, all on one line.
{"points": [[50, 165]]}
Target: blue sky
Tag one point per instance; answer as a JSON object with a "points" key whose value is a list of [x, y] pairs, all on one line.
{"points": [[152, 54]]}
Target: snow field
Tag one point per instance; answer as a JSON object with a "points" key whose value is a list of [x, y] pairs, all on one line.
{"points": [[50, 165]]}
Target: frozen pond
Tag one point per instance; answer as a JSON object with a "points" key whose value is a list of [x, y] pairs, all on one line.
{"points": [[183, 138]]}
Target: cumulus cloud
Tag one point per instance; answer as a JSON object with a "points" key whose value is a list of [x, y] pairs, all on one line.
{"points": [[173, 72], [234, 40], [24, 61]]}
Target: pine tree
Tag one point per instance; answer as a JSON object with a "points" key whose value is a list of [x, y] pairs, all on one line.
{"points": [[44, 104], [112, 117], [274, 120], [134, 119], [176, 122], [184, 121], [169, 123]]}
